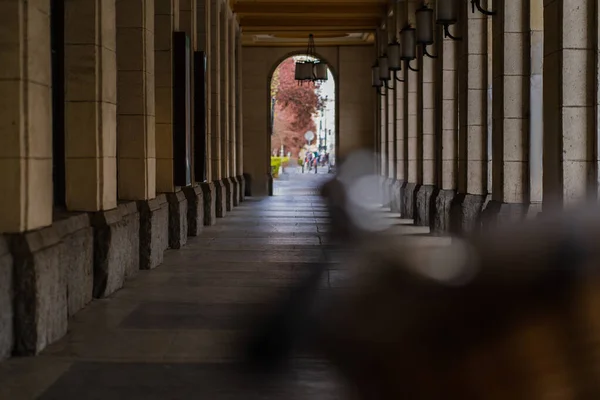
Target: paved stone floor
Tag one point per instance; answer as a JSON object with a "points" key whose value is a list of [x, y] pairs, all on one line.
{"points": [[170, 332]]}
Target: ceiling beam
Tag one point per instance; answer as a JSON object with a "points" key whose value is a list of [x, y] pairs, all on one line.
{"points": [[264, 9]]}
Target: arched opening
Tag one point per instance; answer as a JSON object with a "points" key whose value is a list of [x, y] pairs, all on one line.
{"points": [[303, 134]]}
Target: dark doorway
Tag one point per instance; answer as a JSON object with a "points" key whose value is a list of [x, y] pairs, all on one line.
{"points": [[57, 43]]}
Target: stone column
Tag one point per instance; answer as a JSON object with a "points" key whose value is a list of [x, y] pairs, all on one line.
{"points": [[26, 135], [446, 130], [232, 112], [203, 28], [510, 137], [204, 35], [239, 127], [569, 102], [536, 105], [411, 128], [399, 131], [135, 95], [166, 21], [91, 105], [426, 115], [216, 122], [225, 131], [473, 99]]}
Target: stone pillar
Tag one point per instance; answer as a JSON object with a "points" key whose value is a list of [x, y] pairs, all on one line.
{"points": [[166, 21], [226, 17], [447, 131], [135, 94], [26, 135], [427, 95], [216, 111], [536, 105], [411, 129], [232, 112], [569, 102], [399, 126], [473, 131], [188, 21], [239, 127], [204, 35], [511, 80], [26, 170], [91, 105]]}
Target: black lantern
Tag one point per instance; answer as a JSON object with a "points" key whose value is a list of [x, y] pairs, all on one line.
{"points": [[408, 41], [376, 81], [384, 68], [393, 53], [312, 69], [424, 17], [446, 15]]}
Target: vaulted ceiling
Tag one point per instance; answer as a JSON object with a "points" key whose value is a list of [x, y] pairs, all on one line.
{"points": [[289, 22]]}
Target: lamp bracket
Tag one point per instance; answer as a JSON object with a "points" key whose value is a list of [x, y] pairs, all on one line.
{"points": [[396, 77], [448, 34], [385, 84], [411, 67], [477, 4], [426, 52]]}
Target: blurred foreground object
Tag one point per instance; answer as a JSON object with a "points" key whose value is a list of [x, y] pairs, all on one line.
{"points": [[510, 314]]}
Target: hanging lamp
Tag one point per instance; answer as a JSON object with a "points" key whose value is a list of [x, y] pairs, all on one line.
{"points": [[312, 69]]}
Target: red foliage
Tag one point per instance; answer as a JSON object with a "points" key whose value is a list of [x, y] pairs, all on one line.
{"points": [[296, 105], [293, 140]]}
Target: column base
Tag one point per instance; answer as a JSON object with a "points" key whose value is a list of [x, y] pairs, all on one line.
{"points": [[236, 190], [195, 210], [210, 203], [247, 185], [497, 213], [52, 279], [116, 247], [408, 200], [6, 300], [178, 219], [154, 231], [465, 213], [242, 187], [396, 197], [425, 204], [220, 199], [228, 193], [387, 191], [440, 221]]}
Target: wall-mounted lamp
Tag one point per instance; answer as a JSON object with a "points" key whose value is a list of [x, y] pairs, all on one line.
{"points": [[376, 78], [424, 33], [477, 4], [409, 46], [447, 14], [394, 60]]}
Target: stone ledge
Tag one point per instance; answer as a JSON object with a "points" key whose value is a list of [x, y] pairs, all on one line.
{"points": [[408, 200], [220, 199], [497, 214], [195, 211], [210, 203], [465, 213], [178, 223], [425, 204], [116, 247], [6, 300], [440, 221], [227, 184], [235, 186], [242, 191], [154, 231], [396, 196]]}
